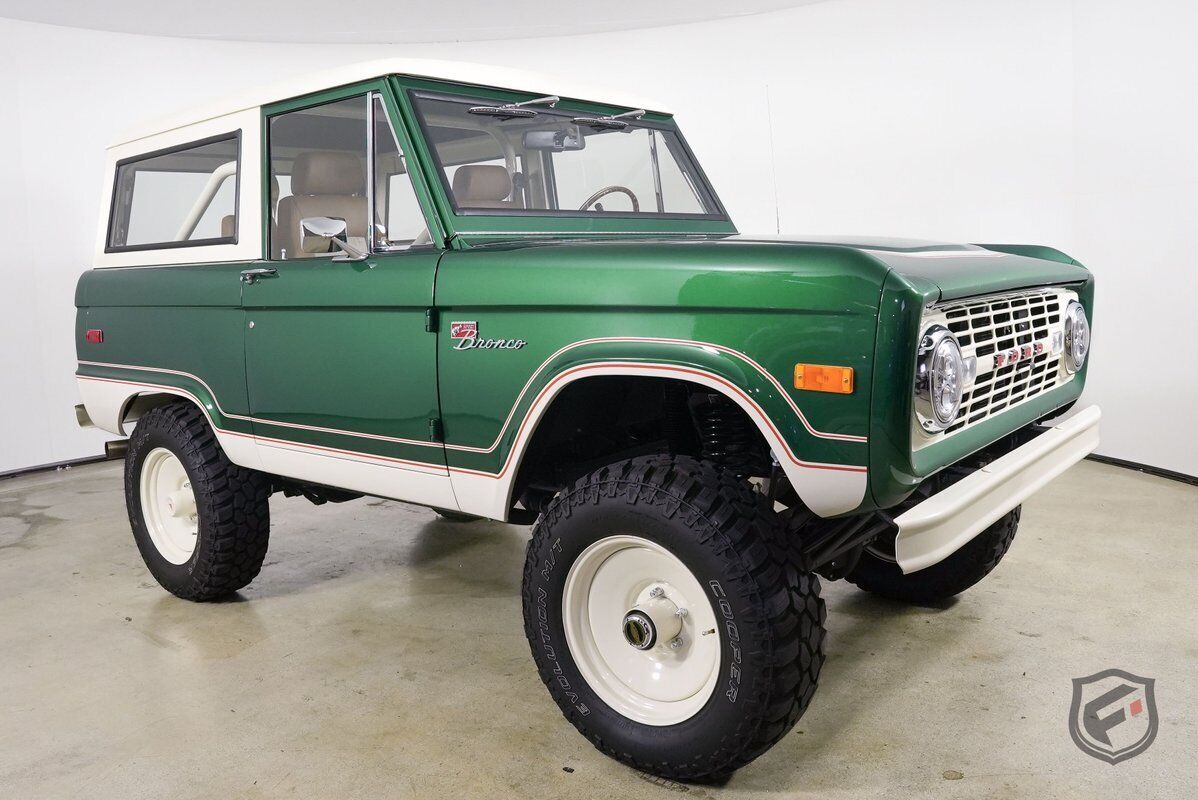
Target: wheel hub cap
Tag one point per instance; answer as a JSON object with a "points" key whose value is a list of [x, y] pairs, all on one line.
{"points": [[656, 620], [181, 503], [639, 630]]}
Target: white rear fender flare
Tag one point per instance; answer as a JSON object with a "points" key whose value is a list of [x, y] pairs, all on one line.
{"points": [[113, 404]]}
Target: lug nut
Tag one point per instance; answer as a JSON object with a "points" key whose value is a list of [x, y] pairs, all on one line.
{"points": [[656, 591], [676, 642], [682, 612]]}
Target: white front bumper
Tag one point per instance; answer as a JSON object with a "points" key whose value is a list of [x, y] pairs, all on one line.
{"points": [[939, 526]]}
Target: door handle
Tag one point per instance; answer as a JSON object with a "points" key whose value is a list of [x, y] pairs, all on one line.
{"points": [[248, 276]]}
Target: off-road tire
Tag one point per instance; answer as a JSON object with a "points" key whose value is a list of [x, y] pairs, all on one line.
{"points": [[231, 503], [722, 531], [953, 575]]}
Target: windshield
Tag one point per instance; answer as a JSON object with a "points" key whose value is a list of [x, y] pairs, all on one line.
{"points": [[538, 160]]}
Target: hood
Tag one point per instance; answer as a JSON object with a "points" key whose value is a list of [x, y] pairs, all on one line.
{"points": [[953, 270], [935, 270]]}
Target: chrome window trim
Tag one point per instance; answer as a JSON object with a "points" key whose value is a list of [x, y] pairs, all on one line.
{"points": [[371, 231]]}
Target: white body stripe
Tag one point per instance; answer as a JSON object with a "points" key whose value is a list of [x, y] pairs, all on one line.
{"points": [[413, 482], [396, 481], [827, 489], [106, 401]]}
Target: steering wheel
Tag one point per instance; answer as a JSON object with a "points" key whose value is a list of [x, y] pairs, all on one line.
{"points": [[605, 191]]}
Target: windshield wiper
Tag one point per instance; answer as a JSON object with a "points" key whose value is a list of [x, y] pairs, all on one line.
{"points": [[516, 110], [614, 122]]}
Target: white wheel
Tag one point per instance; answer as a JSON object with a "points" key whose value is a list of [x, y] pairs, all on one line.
{"points": [[641, 630], [613, 559], [168, 506], [173, 468]]}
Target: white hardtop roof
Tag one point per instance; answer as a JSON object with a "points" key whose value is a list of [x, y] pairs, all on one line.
{"points": [[452, 71]]}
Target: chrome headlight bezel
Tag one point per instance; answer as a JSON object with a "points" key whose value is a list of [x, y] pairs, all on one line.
{"points": [[1077, 337], [938, 348]]}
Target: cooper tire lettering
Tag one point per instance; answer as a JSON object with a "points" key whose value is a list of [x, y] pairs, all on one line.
{"points": [[734, 673]]}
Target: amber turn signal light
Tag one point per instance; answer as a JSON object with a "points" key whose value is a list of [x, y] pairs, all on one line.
{"points": [[818, 378]]}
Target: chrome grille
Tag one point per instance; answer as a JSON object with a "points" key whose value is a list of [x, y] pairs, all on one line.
{"points": [[990, 328]]}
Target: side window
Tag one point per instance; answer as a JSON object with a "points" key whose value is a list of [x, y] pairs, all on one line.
{"points": [[184, 196], [399, 221], [318, 163]]}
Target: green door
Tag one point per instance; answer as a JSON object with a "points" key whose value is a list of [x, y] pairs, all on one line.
{"points": [[339, 363], [337, 354]]}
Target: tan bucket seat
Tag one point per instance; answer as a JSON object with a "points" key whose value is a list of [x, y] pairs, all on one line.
{"points": [[482, 186], [323, 184]]}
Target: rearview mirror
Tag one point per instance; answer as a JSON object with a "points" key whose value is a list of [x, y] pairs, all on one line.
{"points": [[327, 235], [555, 140]]}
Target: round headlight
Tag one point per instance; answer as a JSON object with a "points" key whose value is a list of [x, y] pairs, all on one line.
{"points": [[1077, 336], [939, 379]]}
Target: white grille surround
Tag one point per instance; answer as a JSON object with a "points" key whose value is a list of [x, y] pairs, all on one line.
{"points": [[1018, 341]]}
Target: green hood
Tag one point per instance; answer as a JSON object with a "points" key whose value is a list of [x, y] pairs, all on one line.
{"points": [[954, 270], [934, 270]]}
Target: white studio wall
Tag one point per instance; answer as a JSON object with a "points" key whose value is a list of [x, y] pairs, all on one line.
{"points": [[1057, 122]]}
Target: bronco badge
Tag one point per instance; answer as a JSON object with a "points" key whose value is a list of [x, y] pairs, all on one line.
{"points": [[465, 336], [463, 330]]}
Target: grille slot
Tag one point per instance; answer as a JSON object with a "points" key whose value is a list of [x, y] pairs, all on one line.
{"points": [[989, 325]]}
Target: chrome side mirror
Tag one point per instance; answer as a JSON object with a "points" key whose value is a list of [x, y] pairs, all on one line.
{"points": [[327, 235]]}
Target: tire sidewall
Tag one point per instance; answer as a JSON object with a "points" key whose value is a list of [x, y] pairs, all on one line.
{"points": [[731, 712], [147, 438]]}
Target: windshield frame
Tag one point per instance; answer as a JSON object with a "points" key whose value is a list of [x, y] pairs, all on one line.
{"points": [[486, 221]]}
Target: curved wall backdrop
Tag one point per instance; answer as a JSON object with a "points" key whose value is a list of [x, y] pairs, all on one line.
{"points": [[1047, 121]]}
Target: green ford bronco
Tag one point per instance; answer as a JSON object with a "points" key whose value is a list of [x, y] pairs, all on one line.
{"points": [[499, 296]]}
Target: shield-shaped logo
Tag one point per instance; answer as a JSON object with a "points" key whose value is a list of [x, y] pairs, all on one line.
{"points": [[463, 330], [1113, 715]]}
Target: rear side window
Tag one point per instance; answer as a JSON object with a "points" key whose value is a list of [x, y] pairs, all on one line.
{"points": [[185, 196]]}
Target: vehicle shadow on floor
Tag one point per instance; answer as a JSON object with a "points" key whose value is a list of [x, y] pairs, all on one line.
{"points": [[360, 540], [439, 539]]}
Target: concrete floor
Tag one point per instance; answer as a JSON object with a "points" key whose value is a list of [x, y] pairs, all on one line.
{"points": [[380, 654]]}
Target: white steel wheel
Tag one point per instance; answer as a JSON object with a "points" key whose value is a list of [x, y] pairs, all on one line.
{"points": [[168, 506], [174, 464], [641, 630]]}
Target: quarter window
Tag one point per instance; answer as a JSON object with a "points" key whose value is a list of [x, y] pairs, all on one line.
{"points": [[184, 196]]}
